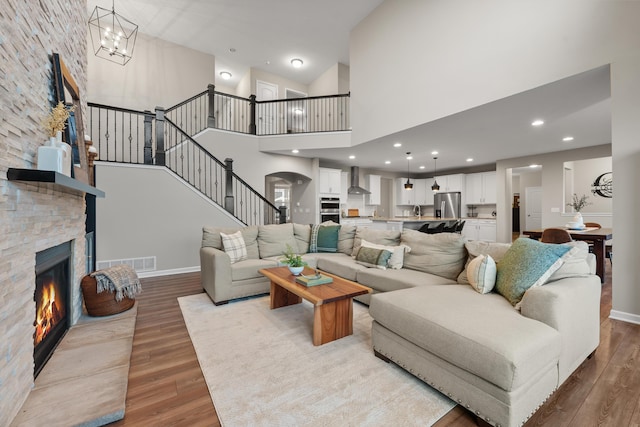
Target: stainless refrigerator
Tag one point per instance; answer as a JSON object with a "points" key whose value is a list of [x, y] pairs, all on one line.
{"points": [[447, 205]]}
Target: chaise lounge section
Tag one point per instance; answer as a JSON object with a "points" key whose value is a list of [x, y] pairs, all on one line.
{"points": [[497, 361]]}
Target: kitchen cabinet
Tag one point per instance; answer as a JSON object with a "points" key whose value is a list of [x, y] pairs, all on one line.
{"points": [[453, 182], [416, 196], [344, 187], [481, 188], [480, 229], [330, 180], [373, 185]]}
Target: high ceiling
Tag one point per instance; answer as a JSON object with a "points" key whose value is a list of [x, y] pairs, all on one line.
{"points": [[268, 34]]}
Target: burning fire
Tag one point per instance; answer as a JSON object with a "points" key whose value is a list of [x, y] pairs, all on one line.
{"points": [[48, 313]]}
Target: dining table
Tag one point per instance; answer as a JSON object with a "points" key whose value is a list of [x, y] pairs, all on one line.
{"points": [[596, 236]]}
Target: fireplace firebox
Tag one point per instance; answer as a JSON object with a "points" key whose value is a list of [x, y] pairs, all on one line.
{"points": [[52, 298]]}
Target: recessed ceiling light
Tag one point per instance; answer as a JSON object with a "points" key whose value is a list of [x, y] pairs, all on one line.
{"points": [[295, 151], [397, 144], [567, 138], [434, 153], [225, 75], [296, 62], [387, 162], [534, 166], [352, 157], [469, 159], [537, 122], [421, 167]]}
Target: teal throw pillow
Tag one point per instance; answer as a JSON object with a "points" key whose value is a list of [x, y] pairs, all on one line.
{"points": [[372, 257], [324, 238], [527, 263]]}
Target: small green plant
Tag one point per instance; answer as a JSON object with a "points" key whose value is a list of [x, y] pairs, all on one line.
{"points": [[579, 203], [292, 259]]}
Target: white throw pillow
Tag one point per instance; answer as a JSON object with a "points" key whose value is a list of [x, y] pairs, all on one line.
{"points": [[397, 253], [234, 246], [481, 273]]}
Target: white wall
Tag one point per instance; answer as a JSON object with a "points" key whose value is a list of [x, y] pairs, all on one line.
{"points": [[584, 174], [159, 74], [149, 211], [414, 61]]}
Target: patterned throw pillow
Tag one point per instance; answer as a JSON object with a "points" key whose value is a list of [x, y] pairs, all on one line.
{"points": [[526, 264], [371, 257], [234, 246], [481, 273], [324, 238], [397, 252]]}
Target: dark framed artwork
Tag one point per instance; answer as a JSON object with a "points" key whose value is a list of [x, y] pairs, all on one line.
{"points": [[67, 92]]}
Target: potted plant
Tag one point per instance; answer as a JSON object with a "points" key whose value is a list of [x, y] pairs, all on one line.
{"points": [[578, 203], [293, 261]]}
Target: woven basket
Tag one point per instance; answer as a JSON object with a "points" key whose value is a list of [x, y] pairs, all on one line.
{"points": [[103, 303]]}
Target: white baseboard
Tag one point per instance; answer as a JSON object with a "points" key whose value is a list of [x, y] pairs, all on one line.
{"points": [[159, 273], [625, 317]]}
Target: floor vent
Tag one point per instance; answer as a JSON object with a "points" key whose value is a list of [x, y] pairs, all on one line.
{"points": [[139, 264]]}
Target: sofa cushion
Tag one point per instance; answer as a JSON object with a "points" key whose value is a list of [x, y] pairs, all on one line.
{"points": [[302, 233], [324, 238], [372, 257], [381, 237], [273, 239], [345, 239], [391, 280], [481, 273], [397, 252], [479, 247], [442, 254], [248, 269], [340, 264], [483, 335], [234, 246], [526, 264], [574, 262], [211, 238]]}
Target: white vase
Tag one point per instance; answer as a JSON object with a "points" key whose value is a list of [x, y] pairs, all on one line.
{"points": [[51, 157], [296, 270], [577, 219]]}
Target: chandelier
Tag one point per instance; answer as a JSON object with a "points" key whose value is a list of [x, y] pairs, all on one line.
{"points": [[112, 35]]}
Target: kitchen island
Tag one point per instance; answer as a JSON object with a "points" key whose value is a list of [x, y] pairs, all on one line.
{"points": [[395, 223]]}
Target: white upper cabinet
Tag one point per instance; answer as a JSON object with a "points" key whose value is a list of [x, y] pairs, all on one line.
{"points": [[481, 188], [415, 196], [330, 181], [453, 182], [373, 185]]}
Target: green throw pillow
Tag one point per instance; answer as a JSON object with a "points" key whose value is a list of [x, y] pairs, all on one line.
{"points": [[372, 257], [324, 238], [527, 263]]}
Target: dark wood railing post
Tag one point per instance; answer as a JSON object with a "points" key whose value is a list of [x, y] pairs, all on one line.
{"points": [[148, 137], [252, 124], [228, 185], [160, 155], [211, 117], [282, 218]]}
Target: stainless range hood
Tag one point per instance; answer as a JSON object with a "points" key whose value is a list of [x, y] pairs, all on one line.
{"points": [[355, 182]]}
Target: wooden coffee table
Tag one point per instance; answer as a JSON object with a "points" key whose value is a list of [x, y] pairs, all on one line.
{"points": [[333, 302]]}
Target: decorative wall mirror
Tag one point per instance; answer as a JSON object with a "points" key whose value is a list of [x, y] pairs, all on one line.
{"points": [[592, 178], [66, 91]]}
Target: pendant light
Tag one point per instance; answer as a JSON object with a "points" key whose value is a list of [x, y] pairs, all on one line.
{"points": [[435, 187], [408, 185], [112, 35]]}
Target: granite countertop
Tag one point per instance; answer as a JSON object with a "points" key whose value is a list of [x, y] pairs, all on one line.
{"points": [[411, 219]]}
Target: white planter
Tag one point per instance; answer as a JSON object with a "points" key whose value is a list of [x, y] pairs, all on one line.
{"points": [[51, 158]]}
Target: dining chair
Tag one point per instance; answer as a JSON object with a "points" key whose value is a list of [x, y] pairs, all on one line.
{"points": [[555, 235], [437, 229], [592, 225]]}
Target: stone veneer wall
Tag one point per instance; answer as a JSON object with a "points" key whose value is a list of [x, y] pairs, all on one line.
{"points": [[32, 217]]}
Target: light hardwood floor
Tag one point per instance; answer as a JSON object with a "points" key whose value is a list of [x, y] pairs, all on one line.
{"points": [[166, 386]]}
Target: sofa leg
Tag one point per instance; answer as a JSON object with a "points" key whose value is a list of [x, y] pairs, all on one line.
{"points": [[593, 353], [220, 303], [381, 356]]}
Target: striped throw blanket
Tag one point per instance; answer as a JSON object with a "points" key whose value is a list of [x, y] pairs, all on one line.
{"points": [[121, 279]]}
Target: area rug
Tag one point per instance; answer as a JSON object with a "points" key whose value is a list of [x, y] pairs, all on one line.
{"points": [[263, 370]]}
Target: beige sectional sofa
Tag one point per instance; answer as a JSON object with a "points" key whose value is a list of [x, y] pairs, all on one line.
{"points": [[499, 362]]}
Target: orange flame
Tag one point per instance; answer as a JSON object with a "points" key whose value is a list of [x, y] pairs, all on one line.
{"points": [[48, 313]]}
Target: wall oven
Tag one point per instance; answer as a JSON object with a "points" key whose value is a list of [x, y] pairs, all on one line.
{"points": [[330, 209]]}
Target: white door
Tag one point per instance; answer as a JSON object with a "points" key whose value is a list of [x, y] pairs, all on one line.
{"points": [[267, 114], [533, 202]]}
